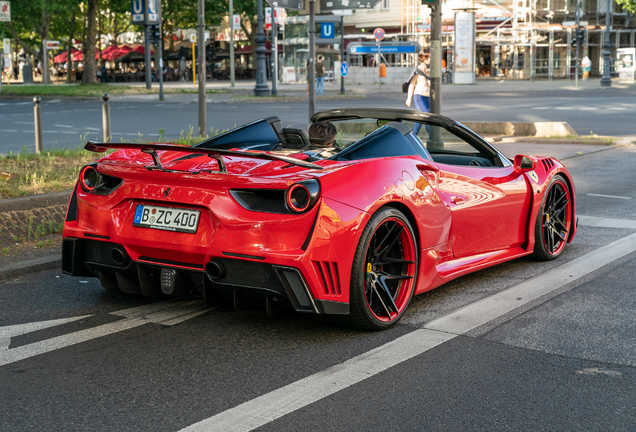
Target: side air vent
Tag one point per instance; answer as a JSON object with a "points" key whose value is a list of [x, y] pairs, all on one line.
{"points": [[547, 163], [328, 273]]}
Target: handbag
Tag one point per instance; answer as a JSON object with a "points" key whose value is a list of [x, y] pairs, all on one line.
{"points": [[416, 71]]}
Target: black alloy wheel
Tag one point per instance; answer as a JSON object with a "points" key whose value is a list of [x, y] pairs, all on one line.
{"points": [[554, 221], [384, 273]]}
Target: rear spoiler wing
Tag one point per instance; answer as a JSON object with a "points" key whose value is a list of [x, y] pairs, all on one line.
{"points": [[152, 149]]}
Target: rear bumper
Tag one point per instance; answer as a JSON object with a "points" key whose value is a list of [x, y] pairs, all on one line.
{"points": [[248, 280]]}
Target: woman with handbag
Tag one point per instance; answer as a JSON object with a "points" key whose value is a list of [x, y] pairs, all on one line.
{"points": [[420, 86]]}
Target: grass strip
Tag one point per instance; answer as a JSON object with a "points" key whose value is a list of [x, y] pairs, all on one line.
{"points": [[93, 90], [25, 174]]}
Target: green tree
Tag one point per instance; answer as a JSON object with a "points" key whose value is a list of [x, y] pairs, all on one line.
{"points": [[630, 5]]}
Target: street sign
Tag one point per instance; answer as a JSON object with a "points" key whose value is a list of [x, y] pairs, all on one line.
{"points": [[385, 48], [344, 69], [286, 4], [52, 45], [6, 44], [236, 22], [5, 11], [378, 34], [268, 18], [193, 37], [138, 12], [329, 5], [327, 30]]}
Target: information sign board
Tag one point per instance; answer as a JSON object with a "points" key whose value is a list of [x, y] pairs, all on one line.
{"points": [[236, 22], [5, 11], [52, 44], [327, 30], [329, 5], [344, 69], [385, 48], [138, 12], [464, 48], [286, 4]]}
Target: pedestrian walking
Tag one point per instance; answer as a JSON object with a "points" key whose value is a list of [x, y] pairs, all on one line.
{"points": [[586, 64], [320, 75], [420, 86]]}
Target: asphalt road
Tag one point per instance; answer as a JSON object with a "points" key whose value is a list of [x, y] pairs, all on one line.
{"points": [[68, 123], [562, 360]]}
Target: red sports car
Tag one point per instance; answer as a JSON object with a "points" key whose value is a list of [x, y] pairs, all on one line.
{"points": [[353, 224]]}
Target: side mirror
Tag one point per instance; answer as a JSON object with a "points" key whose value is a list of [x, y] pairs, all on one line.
{"points": [[524, 163]]}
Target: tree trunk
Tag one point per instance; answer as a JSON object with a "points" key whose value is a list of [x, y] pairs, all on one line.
{"points": [[69, 59], [90, 65]]}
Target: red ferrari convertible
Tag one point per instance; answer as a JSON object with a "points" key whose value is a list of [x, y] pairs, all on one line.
{"points": [[266, 215]]}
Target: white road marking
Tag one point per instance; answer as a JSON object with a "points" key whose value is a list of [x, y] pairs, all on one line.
{"points": [[288, 399], [610, 196], [166, 313], [490, 308], [63, 126], [9, 130], [92, 128], [606, 222], [67, 132], [6, 333], [541, 108], [271, 406], [588, 108], [29, 123]]}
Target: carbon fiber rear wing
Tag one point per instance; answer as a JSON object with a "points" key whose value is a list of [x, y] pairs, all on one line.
{"points": [[152, 149]]}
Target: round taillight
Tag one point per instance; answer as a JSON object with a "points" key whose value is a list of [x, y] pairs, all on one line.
{"points": [[88, 178], [298, 198]]}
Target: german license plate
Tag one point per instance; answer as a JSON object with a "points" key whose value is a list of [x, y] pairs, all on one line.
{"points": [[167, 218]]}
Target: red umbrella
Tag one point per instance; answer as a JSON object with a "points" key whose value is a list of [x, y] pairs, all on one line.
{"points": [[113, 52], [142, 50], [62, 58]]}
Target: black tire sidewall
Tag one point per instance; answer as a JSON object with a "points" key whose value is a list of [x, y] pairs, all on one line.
{"points": [[540, 252], [360, 316]]}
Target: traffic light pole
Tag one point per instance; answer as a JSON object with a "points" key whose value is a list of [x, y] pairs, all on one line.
{"points": [[274, 53], [606, 81], [311, 72], [202, 70], [578, 44], [232, 43], [434, 139], [159, 43], [147, 60]]}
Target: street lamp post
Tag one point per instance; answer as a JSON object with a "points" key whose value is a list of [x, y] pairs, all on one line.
{"points": [[606, 81], [261, 88], [311, 72], [202, 70]]}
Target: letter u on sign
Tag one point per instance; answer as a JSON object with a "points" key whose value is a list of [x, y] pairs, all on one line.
{"points": [[327, 30]]}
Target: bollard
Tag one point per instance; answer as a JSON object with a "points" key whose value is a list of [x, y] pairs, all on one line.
{"points": [[106, 117], [37, 119]]}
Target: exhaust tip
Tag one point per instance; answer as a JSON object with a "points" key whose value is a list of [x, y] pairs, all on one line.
{"points": [[215, 270], [118, 256]]}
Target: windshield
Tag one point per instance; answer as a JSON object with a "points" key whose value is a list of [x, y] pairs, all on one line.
{"points": [[434, 138]]}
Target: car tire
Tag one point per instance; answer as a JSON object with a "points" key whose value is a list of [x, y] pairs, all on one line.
{"points": [[384, 273], [554, 221]]}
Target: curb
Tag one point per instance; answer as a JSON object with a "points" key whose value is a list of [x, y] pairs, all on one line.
{"points": [[34, 266], [34, 201]]}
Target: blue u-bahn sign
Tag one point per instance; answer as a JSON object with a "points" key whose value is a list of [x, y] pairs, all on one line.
{"points": [[385, 48]]}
